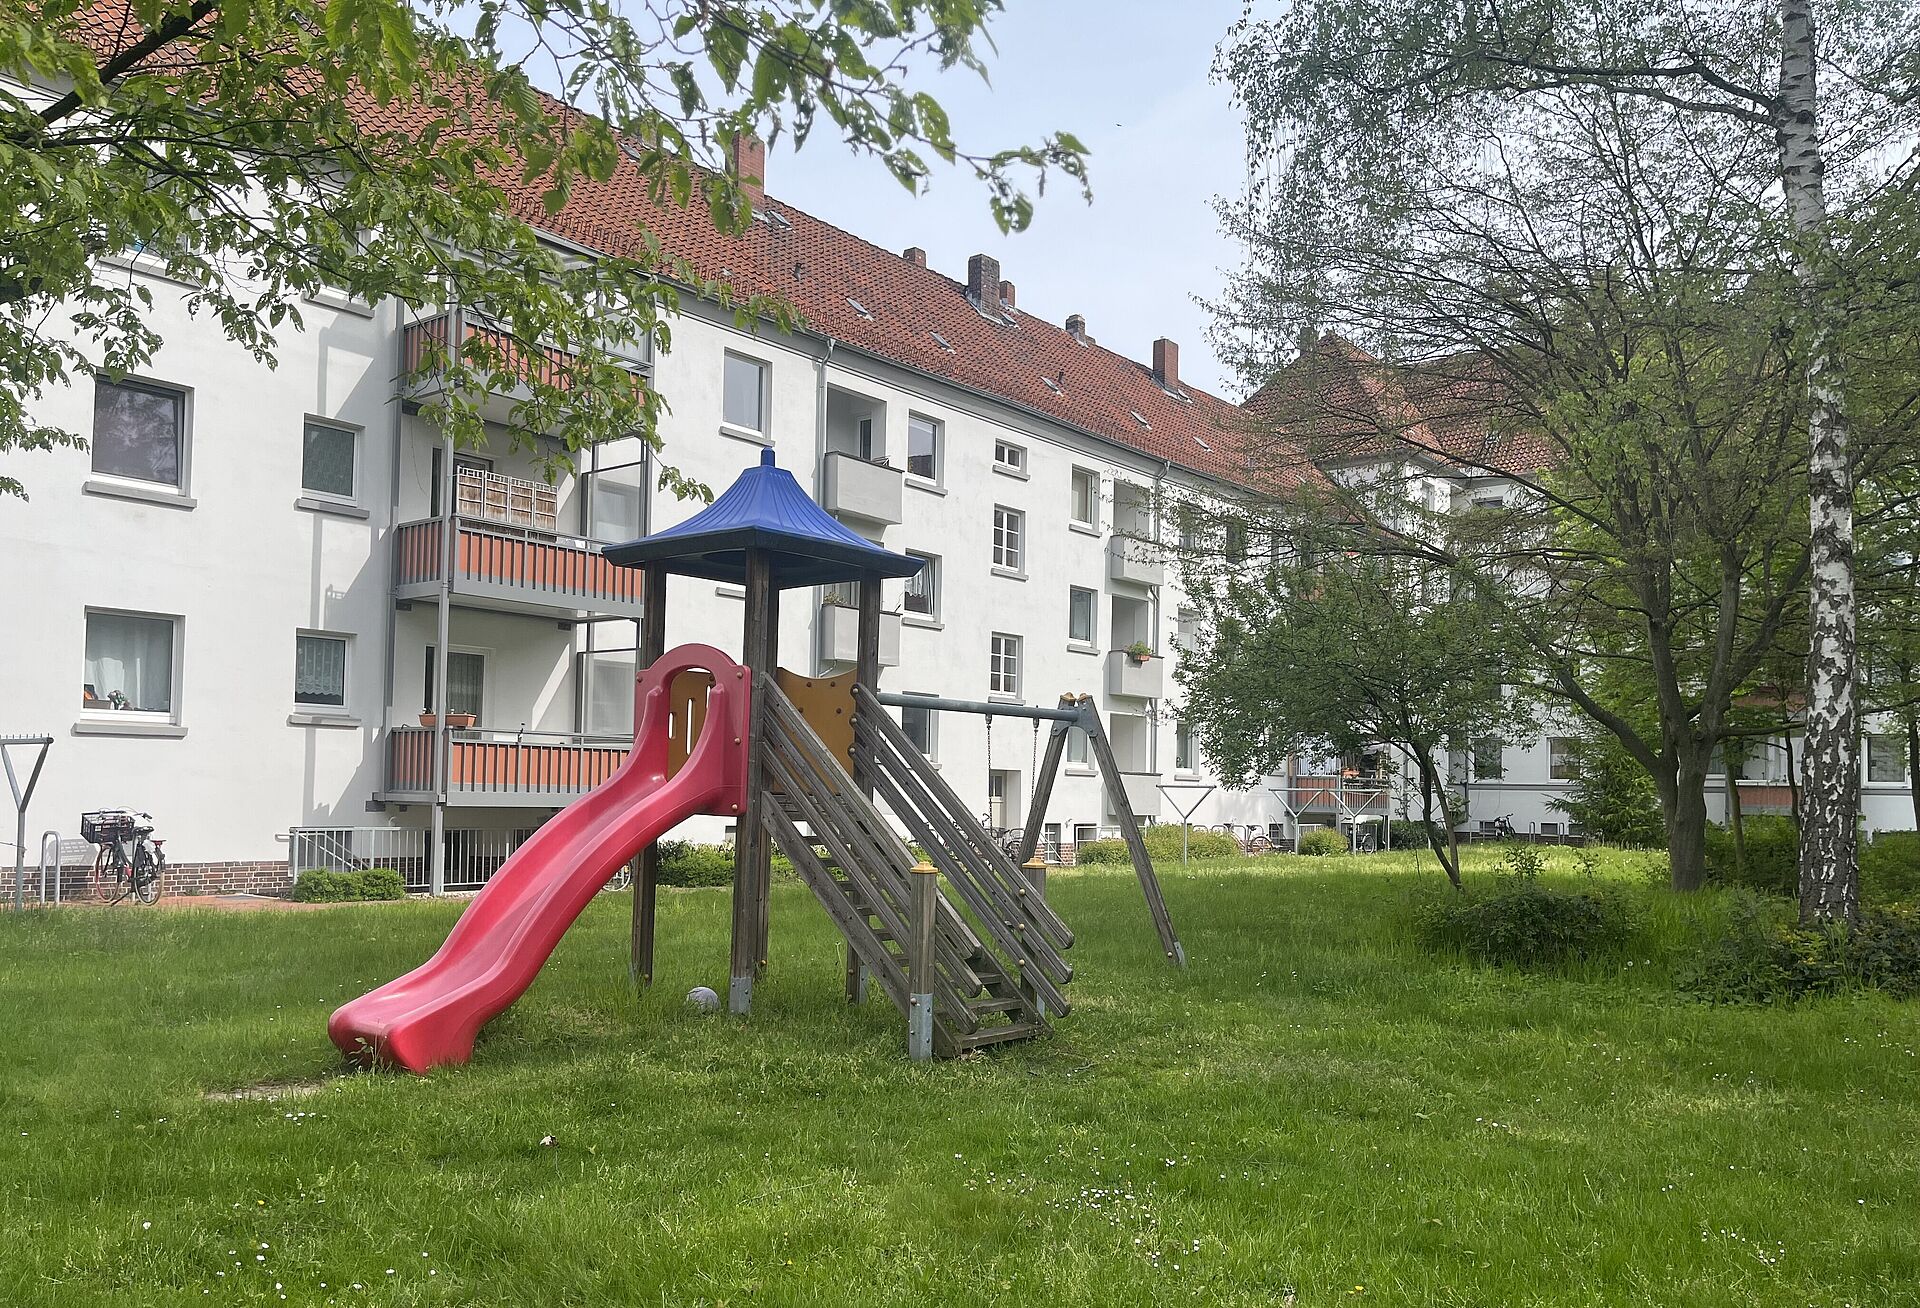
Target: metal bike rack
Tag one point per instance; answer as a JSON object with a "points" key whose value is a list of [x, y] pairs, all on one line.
{"points": [[54, 837]]}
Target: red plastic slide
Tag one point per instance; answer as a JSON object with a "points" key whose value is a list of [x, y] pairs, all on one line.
{"points": [[432, 1014]]}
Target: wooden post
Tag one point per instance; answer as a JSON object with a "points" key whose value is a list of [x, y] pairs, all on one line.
{"points": [[1043, 784], [866, 672], [1130, 832], [926, 892], [651, 645], [750, 836], [763, 838]]}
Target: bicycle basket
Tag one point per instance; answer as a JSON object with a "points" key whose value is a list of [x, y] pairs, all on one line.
{"points": [[106, 825]]}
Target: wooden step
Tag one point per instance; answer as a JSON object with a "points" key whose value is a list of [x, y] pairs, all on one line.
{"points": [[1000, 1035], [1005, 1004]]}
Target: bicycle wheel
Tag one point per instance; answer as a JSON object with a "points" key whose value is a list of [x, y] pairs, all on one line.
{"points": [[1259, 845], [147, 878]]}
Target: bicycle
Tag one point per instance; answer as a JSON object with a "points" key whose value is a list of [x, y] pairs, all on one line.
{"points": [[130, 861]]}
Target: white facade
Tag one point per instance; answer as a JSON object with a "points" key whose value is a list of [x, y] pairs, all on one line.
{"points": [[242, 561]]}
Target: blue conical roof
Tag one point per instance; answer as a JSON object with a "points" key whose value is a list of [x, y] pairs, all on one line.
{"points": [[765, 509]]}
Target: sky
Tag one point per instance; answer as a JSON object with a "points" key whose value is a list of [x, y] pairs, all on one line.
{"points": [[1129, 78]]}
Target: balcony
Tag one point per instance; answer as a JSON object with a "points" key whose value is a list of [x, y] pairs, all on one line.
{"points": [[857, 488], [528, 769], [1134, 562], [840, 636], [1142, 680], [427, 341], [513, 568], [1143, 792], [1357, 794]]}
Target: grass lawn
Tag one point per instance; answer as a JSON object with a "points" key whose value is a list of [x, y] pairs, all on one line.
{"points": [[1314, 1104]]}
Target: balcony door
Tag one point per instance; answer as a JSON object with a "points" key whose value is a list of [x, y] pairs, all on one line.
{"points": [[466, 682]]}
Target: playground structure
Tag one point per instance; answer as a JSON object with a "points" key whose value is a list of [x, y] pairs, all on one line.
{"points": [[954, 930]]}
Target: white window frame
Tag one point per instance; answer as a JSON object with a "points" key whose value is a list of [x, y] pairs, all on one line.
{"points": [[932, 752], [761, 434], [939, 430], [1898, 745], [485, 655], [1017, 466], [931, 574], [1185, 741], [1553, 759], [1093, 617], [1078, 756], [354, 433], [102, 711], [346, 671], [1003, 665], [1009, 541], [181, 486], [1091, 522]]}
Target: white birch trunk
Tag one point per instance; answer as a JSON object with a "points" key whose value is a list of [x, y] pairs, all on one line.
{"points": [[1829, 875]]}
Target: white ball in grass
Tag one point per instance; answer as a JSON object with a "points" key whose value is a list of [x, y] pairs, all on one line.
{"points": [[703, 999]]}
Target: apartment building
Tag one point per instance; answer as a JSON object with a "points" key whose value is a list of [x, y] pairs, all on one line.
{"points": [[229, 611]]}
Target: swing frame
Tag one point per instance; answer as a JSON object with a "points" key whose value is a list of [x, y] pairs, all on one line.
{"points": [[1074, 711]]}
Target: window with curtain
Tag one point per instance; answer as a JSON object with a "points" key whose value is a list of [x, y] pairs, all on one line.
{"points": [[1086, 497], [466, 681], [129, 663], [326, 460], [617, 510], [138, 431], [320, 670], [1079, 748], [1186, 758], [923, 588]]}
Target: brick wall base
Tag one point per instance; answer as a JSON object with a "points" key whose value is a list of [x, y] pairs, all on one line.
{"points": [[182, 880]]}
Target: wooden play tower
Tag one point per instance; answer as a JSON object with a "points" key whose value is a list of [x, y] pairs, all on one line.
{"points": [[954, 930]]}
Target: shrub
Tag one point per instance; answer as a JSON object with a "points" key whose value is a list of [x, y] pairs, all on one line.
{"points": [[1762, 956], [1163, 845], [683, 863], [1890, 867], [326, 886], [1322, 841], [1523, 922], [1408, 835], [1772, 865]]}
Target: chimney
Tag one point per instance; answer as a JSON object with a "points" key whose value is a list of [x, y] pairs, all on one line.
{"points": [[747, 159], [1006, 294], [914, 255], [1077, 327], [983, 280], [1166, 363]]}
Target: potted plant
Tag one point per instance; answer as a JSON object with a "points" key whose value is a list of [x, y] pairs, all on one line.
{"points": [[455, 721], [1139, 652]]}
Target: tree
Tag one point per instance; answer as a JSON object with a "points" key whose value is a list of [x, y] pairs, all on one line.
{"points": [[1356, 653], [1627, 215], [264, 150], [1611, 795]]}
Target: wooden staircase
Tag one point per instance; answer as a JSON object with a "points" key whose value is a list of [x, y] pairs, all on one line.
{"points": [[996, 968]]}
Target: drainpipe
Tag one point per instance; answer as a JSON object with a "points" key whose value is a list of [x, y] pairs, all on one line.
{"points": [[449, 538], [819, 481], [393, 521]]}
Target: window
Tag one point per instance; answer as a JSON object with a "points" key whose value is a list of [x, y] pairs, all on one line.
{"points": [[1050, 842], [1085, 831], [923, 448], [466, 681], [999, 784], [1186, 756], [327, 460], [139, 431], [616, 509], [1003, 670], [1085, 506], [1008, 457], [1081, 603], [1186, 631], [129, 663], [923, 587], [320, 670], [918, 723], [1236, 540], [1009, 531], [1886, 759], [1189, 521], [1488, 761], [608, 707], [1079, 748], [744, 405], [1561, 764]]}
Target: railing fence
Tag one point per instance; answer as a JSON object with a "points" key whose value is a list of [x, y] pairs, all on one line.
{"points": [[473, 854]]}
